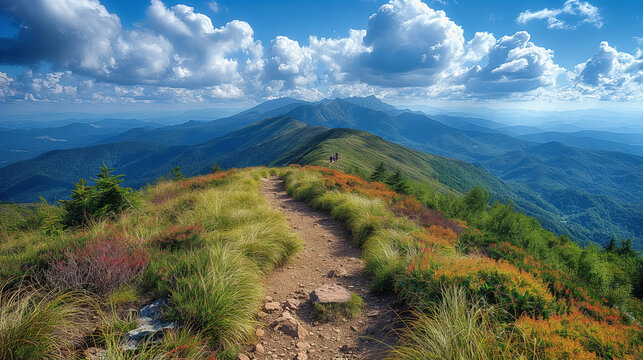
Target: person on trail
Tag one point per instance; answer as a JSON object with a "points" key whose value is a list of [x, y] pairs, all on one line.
{"points": [[331, 159], [336, 156]]}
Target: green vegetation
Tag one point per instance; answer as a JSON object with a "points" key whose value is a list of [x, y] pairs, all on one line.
{"points": [[590, 203], [39, 324], [336, 311], [457, 328], [528, 293], [91, 203], [379, 173], [202, 243]]}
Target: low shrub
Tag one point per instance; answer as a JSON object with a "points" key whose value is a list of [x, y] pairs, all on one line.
{"points": [[334, 312], [178, 237], [499, 283], [101, 265], [575, 335]]}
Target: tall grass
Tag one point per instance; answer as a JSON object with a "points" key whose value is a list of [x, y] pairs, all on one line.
{"points": [[217, 285], [219, 294], [41, 325], [211, 239], [455, 328]]}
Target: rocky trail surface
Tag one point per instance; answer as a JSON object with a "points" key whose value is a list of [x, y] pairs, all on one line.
{"points": [[290, 330]]}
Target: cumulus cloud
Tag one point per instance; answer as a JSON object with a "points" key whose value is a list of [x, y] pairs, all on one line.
{"points": [[64, 86], [410, 45], [515, 65], [335, 56], [611, 74], [178, 47], [572, 14], [5, 86], [407, 50], [289, 63]]}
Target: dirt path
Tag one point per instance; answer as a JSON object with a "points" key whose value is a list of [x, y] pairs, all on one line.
{"points": [[327, 246]]}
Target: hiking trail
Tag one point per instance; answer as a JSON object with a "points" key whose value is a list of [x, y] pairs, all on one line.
{"points": [[327, 247]]}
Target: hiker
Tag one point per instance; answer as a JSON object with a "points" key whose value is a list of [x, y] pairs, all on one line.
{"points": [[336, 156], [331, 159]]}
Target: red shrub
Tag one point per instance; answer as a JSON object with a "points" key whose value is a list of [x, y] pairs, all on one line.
{"points": [[101, 265], [425, 216]]}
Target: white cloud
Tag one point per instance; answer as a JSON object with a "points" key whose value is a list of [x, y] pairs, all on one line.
{"points": [[610, 74], [515, 65], [290, 63], [410, 45], [572, 14], [335, 55], [177, 54], [478, 47], [5, 87], [214, 6], [179, 47]]}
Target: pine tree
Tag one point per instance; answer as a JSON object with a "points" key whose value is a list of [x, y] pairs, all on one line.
{"points": [[379, 174], [216, 168], [176, 173], [626, 248], [611, 246], [398, 183], [105, 198]]}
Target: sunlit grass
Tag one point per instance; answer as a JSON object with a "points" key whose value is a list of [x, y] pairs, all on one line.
{"points": [[38, 324]]}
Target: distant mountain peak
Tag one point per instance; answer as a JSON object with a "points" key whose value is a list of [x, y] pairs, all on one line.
{"points": [[371, 102]]}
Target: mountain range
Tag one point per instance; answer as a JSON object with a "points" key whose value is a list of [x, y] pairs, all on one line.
{"points": [[589, 194]]}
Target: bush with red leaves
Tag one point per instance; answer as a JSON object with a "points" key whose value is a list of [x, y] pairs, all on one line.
{"points": [[101, 266]]}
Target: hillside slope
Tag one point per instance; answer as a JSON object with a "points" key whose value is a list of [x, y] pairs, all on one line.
{"points": [[277, 141]]}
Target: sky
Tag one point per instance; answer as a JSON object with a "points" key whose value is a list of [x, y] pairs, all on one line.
{"points": [[543, 55]]}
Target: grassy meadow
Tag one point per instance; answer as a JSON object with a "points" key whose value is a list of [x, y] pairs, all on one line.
{"points": [[481, 280], [202, 243]]}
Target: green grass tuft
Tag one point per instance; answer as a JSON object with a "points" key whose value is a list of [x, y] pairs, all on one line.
{"points": [[334, 312], [455, 328], [41, 325]]}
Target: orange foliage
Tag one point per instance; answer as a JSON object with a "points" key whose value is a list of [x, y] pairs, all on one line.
{"points": [[576, 336], [337, 180], [202, 182]]}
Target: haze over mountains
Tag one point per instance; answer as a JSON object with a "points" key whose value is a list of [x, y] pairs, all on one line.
{"points": [[582, 183]]}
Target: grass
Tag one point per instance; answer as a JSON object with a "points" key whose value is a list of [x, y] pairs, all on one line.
{"points": [[209, 240], [36, 325], [455, 328], [417, 262], [334, 312], [219, 293]]}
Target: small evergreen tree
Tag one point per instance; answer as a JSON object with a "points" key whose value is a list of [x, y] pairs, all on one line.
{"points": [[216, 168], [398, 183], [611, 246], [88, 203], [379, 174], [626, 248], [176, 174]]}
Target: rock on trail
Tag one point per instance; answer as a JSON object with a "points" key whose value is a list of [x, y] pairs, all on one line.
{"points": [[331, 270]]}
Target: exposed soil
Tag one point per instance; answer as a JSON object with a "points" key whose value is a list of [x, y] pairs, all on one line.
{"points": [[327, 246]]}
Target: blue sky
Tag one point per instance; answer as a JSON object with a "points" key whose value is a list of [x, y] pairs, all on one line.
{"points": [[579, 53]]}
